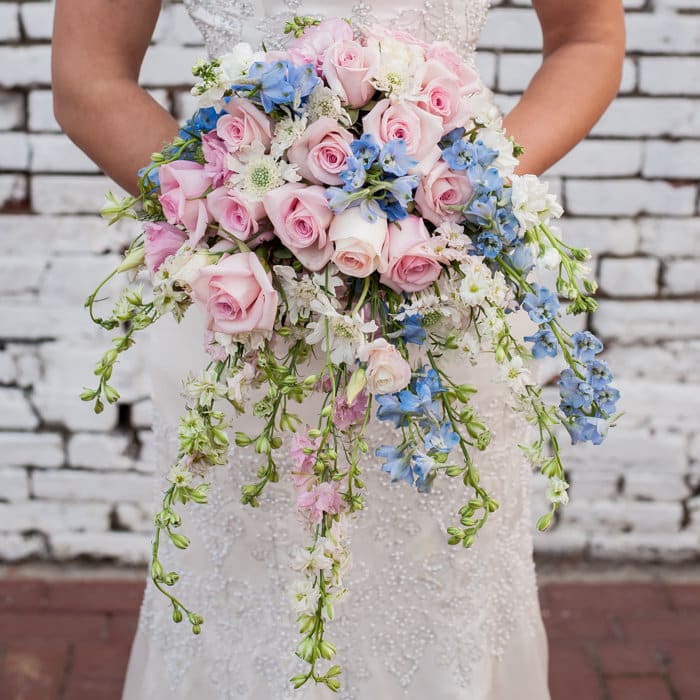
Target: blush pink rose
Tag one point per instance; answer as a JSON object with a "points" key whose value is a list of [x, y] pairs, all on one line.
{"points": [[441, 94], [215, 152], [440, 190], [321, 151], [183, 186], [236, 294], [387, 371], [465, 75], [347, 69], [312, 45], [301, 216], [411, 264], [358, 243], [402, 120], [235, 212], [243, 125], [160, 241]]}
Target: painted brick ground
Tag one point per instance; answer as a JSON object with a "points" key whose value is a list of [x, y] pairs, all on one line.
{"points": [[75, 484]]}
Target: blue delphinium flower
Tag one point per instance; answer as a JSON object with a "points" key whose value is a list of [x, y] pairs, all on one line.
{"points": [[587, 429], [398, 463], [278, 83], [521, 257], [607, 398], [452, 136], [463, 155], [488, 244], [390, 409], [419, 401], [412, 330], [545, 343], [578, 393], [338, 199], [506, 224], [153, 180], [354, 174], [442, 439], [541, 306], [394, 159], [481, 211], [365, 149], [423, 471], [598, 374], [586, 346]]}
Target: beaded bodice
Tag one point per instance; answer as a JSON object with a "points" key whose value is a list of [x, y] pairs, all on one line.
{"points": [[223, 23]]}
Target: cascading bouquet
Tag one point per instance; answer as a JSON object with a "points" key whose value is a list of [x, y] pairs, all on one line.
{"points": [[351, 199]]}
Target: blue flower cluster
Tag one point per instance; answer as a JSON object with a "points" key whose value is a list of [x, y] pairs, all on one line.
{"points": [[278, 83], [588, 401], [378, 178], [542, 307], [490, 205], [410, 462]]}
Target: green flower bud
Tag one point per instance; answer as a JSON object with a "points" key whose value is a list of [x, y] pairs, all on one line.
{"points": [[326, 649], [298, 681], [305, 649], [111, 394], [180, 541], [177, 615], [333, 684], [545, 521], [156, 570], [134, 258], [88, 394], [171, 578], [262, 445], [196, 629], [242, 440], [454, 471]]}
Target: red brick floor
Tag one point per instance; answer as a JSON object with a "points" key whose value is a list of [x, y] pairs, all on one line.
{"points": [[69, 640]]}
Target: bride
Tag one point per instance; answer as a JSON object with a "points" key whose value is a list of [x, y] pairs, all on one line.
{"points": [[421, 619]]}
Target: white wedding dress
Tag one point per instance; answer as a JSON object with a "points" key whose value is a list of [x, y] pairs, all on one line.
{"points": [[421, 619]]}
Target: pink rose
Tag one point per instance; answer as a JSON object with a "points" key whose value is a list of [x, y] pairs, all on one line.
{"points": [[441, 94], [387, 371], [236, 294], [358, 243], [215, 152], [183, 185], [312, 45], [235, 212], [160, 241], [321, 151], [347, 69], [402, 120], [300, 216], [411, 264], [456, 66], [243, 125], [440, 190]]}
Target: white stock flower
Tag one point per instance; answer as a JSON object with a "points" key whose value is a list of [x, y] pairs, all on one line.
{"points": [[450, 242], [516, 375], [298, 293], [304, 597], [496, 139], [255, 172], [205, 388], [397, 68], [483, 109], [235, 63], [532, 203], [557, 491], [310, 562], [239, 385]]}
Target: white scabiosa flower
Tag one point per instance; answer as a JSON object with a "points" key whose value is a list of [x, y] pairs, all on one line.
{"points": [[255, 172], [397, 68], [287, 132], [323, 102]]}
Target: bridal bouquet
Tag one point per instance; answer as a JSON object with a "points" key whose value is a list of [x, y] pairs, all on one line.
{"points": [[351, 198]]}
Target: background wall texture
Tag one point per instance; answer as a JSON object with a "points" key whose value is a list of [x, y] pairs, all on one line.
{"points": [[74, 484]]}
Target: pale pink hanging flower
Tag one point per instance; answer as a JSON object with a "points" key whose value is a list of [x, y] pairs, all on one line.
{"points": [[303, 474], [322, 498], [346, 414]]}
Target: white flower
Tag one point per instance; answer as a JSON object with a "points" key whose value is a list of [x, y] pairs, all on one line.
{"points": [[483, 109], [516, 375], [323, 102], [450, 242], [299, 293], [548, 260], [496, 139], [532, 203], [397, 68], [477, 282], [204, 389], [235, 63], [256, 173], [287, 131], [310, 562], [346, 334], [304, 597], [180, 475], [470, 345], [238, 386], [557, 491]]}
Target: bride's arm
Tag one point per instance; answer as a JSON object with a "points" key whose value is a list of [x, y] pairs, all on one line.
{"points": [[98, 47], [583, 50]]}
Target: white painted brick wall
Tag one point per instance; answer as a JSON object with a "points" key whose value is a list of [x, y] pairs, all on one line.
{"points": [[76, 484]]}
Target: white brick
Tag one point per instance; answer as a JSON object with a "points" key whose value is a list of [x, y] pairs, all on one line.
{"points": [[622, 516], [657, 487], [588, 483], [14, 485], [560, 542], [629, 277], [17, 547], [11, 110], [134, 517], [41, 116], [13, 188], [679, 361], [31, 449], [71, 194], [667, 406], [14, 151], [71, 486], [682, 277], [8, 370], [45, 515], [24, 320], [147, 461], [486, 66], [675, 160], [57, 153], [99, 451], [70, 279], [20, 274], [600, 236], [125, 547], [663, 33], [644, 116], [185, 105], [37, 19], [670, 237], [142, 414], [27, 364], [511, 29], [629, 197], [651, 547], [169, 65], [669, 76], [61, 406], [25, 65], [632, 321], [9, 22], [15, 411], [597, 158], [694, 450]]}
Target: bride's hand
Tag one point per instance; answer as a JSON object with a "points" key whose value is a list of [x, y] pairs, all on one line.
{"points": [[98, 47], [583, 51]]}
